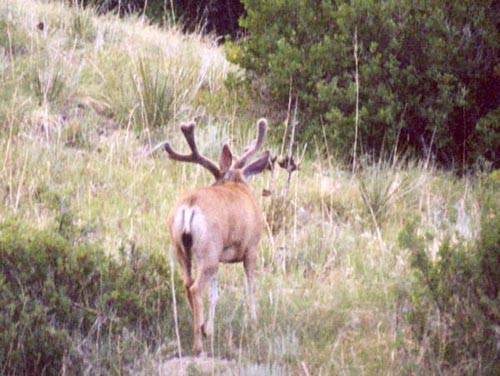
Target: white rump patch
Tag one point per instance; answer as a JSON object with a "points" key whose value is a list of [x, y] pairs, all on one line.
{"points": [[190, 220]]}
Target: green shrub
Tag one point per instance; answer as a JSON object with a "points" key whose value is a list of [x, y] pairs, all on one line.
{"points": [[488, 139], [425, 71], [455, 306], [53, 289]]}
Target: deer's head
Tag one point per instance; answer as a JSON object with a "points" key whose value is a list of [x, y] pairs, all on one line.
{"points": [[229, 168]]}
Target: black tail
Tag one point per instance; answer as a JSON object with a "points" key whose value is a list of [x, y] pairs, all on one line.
{"points": [[187, 243]]}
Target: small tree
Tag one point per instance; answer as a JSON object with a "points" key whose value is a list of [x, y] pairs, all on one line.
{"points": [[427, 70]]}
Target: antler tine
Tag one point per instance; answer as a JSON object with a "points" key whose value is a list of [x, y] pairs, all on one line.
{"points": [[262, 125], [195, 156]]}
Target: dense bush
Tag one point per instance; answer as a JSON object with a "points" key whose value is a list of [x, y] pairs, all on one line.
{"points": [[455, 306], [52, 289], [428, 72]]}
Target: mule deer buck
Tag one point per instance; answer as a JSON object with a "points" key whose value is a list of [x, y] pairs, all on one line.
{"points": [[221, 223]]}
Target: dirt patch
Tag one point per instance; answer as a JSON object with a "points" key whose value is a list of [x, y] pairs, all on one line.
{"points": [[190, 366]]}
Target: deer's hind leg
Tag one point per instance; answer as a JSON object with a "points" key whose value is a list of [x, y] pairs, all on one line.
{"points": [[214, 297], [185, 263], [250, 263], [204, 275]]}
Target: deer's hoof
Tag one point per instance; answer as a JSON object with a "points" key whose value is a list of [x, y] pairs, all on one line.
{"points": [[198, 350]]}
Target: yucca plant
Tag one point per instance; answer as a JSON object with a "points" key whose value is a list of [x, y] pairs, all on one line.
{"points": [[47, 82], [155, 94], [381, 185]]}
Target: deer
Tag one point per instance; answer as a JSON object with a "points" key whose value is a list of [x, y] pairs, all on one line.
{"points": [[220, 223]]}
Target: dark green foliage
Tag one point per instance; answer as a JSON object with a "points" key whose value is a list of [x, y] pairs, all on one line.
{"points": [[428, 71], [52, 290], [154, 9], [455, 303], [210, 16], [488, 137]]}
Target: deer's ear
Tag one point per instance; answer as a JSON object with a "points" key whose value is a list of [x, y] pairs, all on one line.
{"points": [[257, 166], [226, 158]]}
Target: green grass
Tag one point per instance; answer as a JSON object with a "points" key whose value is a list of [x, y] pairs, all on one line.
{"points": [[84, 100]]}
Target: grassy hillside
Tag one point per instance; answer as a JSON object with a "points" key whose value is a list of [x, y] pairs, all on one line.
{"points": [[84, 100]]}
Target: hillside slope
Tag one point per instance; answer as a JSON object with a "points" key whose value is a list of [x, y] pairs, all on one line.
{"points": [[61, 62]]}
